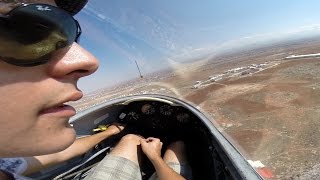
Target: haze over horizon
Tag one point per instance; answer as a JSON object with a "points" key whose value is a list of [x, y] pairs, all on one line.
{"points": [[162, 34]]}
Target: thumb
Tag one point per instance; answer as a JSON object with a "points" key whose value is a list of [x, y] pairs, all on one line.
{"points": [[143, 141]]}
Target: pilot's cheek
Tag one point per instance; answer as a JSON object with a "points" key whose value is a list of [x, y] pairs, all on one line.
{"points": [[74, 62]]}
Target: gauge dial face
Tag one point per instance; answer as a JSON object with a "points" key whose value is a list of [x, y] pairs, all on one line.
{"points": [[166, 110], [133, 115], [148, 109], [156, 123], [183, 117]]}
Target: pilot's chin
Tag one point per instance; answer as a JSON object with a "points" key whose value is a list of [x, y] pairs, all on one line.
{"points": [[62, 141]]}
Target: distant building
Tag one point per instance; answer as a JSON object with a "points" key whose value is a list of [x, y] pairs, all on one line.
{"points": [[197, 85], [245, 72], [302, 56], [215, 78]]}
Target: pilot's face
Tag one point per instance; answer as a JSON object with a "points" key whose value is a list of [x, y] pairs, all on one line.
{"points": [[33, 117]]}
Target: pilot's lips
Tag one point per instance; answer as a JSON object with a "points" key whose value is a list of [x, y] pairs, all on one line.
{"points": [[61, 111]]}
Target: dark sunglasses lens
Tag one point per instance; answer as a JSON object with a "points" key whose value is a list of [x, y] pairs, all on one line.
{"points": [[33, 32]]}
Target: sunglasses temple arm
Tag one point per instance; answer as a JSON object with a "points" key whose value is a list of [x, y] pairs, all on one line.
{"points": [[79, 31]]}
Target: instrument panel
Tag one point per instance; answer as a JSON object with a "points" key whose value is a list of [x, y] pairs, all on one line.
{"points": [[156, 119]]}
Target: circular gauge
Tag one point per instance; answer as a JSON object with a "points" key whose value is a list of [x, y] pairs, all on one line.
{"points": [[133, 115], [156, 123], [148, 109], [183, 117], [166, 110]]}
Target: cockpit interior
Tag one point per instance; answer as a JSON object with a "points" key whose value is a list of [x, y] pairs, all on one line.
{"points": [[167, 119]]}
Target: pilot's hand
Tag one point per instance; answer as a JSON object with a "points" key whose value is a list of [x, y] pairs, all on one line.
{"points": [[115, 128], [151, 147]]}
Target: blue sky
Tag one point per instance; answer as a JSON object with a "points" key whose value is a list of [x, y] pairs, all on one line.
{"points": [[158, 34]]}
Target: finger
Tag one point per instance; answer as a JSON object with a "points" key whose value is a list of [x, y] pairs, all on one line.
{"points": [[150, 139], [118, 124], [154, 139], [120, 128], [143, 142]]}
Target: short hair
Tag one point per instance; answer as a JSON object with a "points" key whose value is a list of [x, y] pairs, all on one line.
{"points": [[72, 6]]}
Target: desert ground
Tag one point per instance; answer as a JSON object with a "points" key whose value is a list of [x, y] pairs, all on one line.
{"points": [[271, 113]]}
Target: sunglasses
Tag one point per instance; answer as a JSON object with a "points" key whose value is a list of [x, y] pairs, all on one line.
{"points": [[31, 33]]}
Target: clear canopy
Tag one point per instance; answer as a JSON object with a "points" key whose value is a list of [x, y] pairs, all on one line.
{"points": [[251, 66]]}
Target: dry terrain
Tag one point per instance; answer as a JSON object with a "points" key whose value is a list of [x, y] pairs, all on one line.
{"points": [[271, 115]]}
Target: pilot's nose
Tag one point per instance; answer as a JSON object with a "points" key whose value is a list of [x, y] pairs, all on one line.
{"points": [[74, 63]]}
